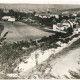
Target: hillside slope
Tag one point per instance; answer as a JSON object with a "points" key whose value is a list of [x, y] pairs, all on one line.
{"points": [[21, 31]]}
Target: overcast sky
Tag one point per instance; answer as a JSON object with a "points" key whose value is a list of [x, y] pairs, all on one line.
{"points": [[42, 1]]}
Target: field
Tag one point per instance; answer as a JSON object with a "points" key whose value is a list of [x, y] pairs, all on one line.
{"points": [[20, 31]]}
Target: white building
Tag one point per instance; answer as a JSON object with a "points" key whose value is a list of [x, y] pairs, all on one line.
{"points": [[54, 27], [56, 16], [11, 19], [8, 18]]}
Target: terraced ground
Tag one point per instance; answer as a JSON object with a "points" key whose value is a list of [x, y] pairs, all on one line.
{"points": [[20, 31]]}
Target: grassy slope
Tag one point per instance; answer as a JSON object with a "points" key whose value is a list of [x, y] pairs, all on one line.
{"points": [[21, 31]]}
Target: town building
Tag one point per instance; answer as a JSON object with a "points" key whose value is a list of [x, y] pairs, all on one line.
{"points": [[8, 18]]}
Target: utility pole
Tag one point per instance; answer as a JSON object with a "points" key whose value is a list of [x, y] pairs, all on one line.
{"points": [[36, 59]]}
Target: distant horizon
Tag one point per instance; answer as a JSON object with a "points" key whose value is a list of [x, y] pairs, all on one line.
{"points": [[72, 2], [39, 4]]}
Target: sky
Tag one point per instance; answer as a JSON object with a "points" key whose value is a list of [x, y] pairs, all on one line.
{"points": [[42, 1]]}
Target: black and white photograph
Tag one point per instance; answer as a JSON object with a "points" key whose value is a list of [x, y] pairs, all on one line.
{"points": [[39, 39]]}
